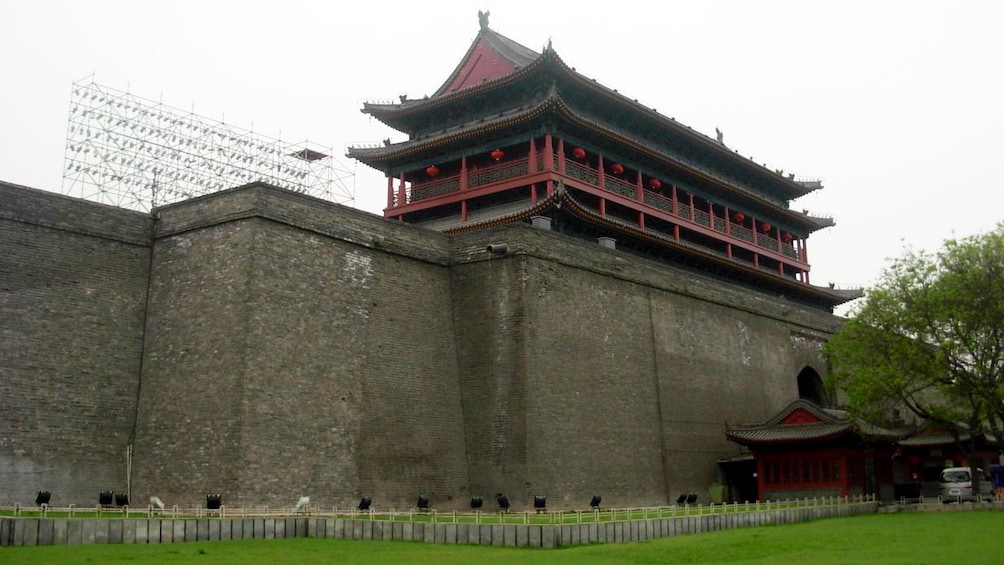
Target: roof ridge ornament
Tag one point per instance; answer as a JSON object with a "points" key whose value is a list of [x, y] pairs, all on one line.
{"points": [[483, 18]]}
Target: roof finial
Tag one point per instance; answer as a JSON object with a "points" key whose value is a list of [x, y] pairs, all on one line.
{"points": [[483, 18], [720, 136]]}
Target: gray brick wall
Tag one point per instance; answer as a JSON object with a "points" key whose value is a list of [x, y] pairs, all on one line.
{"points": [[72, 298], [306, 341], [296, 347]]}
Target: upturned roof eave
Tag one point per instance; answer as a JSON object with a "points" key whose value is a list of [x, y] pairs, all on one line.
{"points": [[760, 438], [794, 188], [380, 157], [397, 115], [569, 204]]}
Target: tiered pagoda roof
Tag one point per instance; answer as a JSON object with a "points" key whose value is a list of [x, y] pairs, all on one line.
{"points": [[517, 86], [606, 153]]}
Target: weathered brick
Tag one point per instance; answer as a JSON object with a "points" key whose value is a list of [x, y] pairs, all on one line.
{"points": [[268, 345]]}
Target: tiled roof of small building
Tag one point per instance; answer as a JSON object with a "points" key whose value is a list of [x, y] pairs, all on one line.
{"points": [[829, 424]]}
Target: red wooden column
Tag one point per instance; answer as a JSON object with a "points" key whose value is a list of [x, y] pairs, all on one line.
{"points": [[600, 175], [780, 251], [728, 232], [390, 192], [400, 191], [548, 154], [532, 164], [676, 212], [843, 474], [463, 172], [761, 474], [549, 161], [463, 187], [561, 156], [640, 196]]}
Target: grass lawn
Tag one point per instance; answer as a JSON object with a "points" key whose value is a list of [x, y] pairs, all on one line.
{"points": [[916, 538]]}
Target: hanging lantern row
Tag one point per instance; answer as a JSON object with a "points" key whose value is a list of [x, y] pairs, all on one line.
{"points": [[617, 168], [497, 154], [578, 153], [655, 184], [739, 217], [432, 171]]}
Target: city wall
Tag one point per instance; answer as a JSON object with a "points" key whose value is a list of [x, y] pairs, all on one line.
{"points": [[265, 345]]}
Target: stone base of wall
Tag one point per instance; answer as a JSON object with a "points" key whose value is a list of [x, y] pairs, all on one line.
{"points": [[56, 531]]}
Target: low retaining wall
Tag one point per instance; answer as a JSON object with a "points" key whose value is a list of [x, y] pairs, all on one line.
{"points": [[52, 531]]}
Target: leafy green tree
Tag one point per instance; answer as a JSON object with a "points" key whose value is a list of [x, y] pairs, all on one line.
{"points": [[929, 337]]}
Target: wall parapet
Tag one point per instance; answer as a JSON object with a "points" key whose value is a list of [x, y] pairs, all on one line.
{"points": [[21, 531]]}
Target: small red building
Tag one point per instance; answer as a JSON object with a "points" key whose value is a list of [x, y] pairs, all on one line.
{"points": [[808, 451]]}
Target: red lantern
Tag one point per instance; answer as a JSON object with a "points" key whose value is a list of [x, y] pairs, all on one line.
{"points": [[787, 237], [655, 184], [617, 168], [498, 154], [578, 153], [739, 217], [765, 227], [432, 171]]}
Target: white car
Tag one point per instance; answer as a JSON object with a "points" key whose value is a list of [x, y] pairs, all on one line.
{"points": [[957, 485]]}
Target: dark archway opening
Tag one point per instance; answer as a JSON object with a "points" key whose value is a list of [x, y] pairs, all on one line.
{"points": [[810, 387]]}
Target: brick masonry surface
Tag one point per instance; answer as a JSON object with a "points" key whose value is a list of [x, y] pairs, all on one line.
{"points": [[73, 283], [265, 345]]}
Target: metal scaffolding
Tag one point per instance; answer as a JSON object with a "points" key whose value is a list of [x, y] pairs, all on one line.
{"points": [[134, 153]]}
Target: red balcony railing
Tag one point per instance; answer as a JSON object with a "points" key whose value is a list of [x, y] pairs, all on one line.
{"points": [[587, 175]]}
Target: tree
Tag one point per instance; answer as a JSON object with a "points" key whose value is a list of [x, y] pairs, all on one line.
{"points": [[929, 337]]}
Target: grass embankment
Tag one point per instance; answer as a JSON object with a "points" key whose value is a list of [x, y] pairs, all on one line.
{"points": [[916, 538]]}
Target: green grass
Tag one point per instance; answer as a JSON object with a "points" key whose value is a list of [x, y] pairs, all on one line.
{"points": [[974, 537]]}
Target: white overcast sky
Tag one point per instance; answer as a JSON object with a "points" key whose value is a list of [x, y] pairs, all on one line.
{"points": [[897, 106]]}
